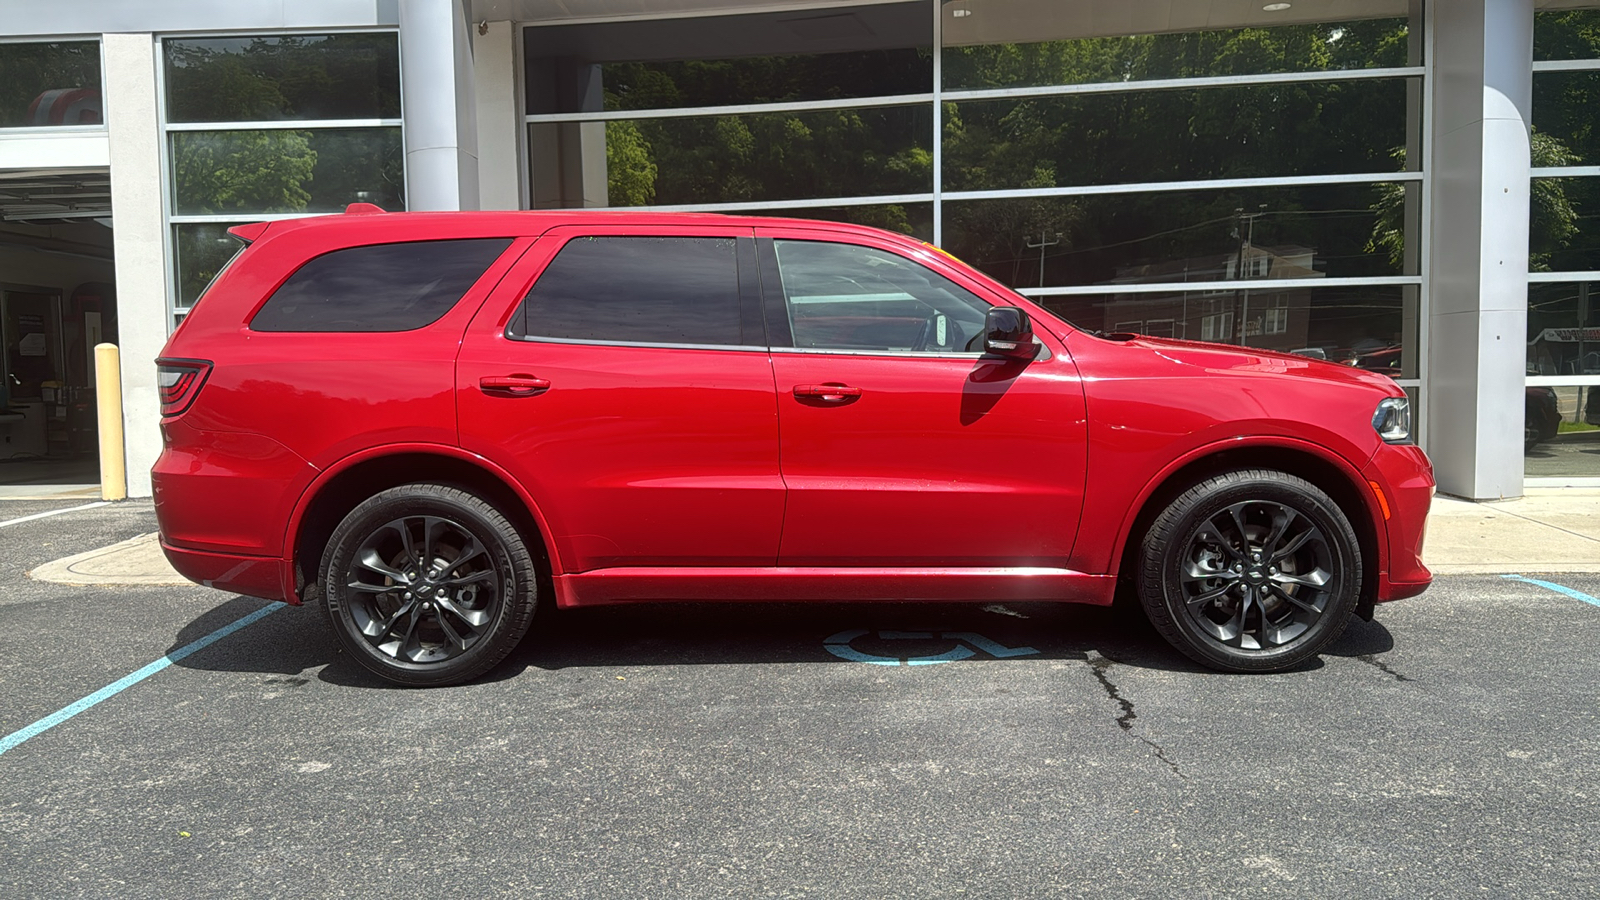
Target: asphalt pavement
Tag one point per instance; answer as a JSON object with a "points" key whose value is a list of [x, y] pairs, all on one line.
{"points": [[1449, 748]]}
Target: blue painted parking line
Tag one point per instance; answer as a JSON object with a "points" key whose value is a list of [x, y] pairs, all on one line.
{"points": [[1558, 588], [127, 681]]}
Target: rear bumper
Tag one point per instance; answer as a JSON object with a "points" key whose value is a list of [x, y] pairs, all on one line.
{"points": [[225, 492], [253, 576]]}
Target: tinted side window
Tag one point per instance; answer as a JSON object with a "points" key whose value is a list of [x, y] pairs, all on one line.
{"points": [[848, 297], [383, 287], [647, 290]]}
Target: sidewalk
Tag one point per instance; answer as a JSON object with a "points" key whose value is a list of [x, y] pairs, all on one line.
{"points": [[1549, 530]]}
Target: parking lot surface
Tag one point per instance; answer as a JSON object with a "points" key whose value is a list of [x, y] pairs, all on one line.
{"points": [[1449, 748]]}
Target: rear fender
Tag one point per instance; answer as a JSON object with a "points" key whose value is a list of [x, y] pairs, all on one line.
{"points": [[331, 474]]}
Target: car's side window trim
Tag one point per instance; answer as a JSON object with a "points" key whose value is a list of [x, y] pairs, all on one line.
{"points": [[774, 301], [752, 327], [919, 354], [745, 348]]}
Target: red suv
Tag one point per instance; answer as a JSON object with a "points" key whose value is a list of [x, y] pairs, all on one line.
{"points": [[424, 418]]}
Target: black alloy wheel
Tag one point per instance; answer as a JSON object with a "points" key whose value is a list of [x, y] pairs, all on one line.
{"points": [[428, 585], [1250, 571]]}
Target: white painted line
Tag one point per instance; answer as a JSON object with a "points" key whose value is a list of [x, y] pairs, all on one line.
{"points": [[53, 512]]}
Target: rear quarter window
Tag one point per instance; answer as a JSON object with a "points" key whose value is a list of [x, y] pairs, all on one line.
{"points": [[381, 287]]}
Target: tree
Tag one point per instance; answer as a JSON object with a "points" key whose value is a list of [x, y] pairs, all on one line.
{"points": [[242, 171]]}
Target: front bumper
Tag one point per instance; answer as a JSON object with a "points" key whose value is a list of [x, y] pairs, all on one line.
{"points": [[1403, 477]]}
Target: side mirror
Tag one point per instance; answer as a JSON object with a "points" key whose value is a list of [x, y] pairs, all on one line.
{"points": [[1007, 332]]}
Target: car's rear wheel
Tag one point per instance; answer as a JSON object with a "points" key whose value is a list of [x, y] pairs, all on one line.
{"points": [[427, 584], [1250, 571]]}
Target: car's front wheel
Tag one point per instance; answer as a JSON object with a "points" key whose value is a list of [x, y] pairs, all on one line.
{"points": [[427, 584], [1250, 571]]}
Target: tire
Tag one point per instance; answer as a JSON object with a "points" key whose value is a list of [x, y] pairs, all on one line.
{"points": [[1250, 571], [446, 620]]}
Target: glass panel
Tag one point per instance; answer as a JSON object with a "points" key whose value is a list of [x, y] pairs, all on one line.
{"points": [[1564, 114], [286, 170], [1234, 132], [383, 287], [1325, 231], [1563, 329], [650, 290], [1563, 235], [733, 159], [821, 54], [250, 79], [848, 297], [199, 252], [45, 84], [1561, 431], [914, 219], [1017, 43], [1373, 328], [1567, 34]]}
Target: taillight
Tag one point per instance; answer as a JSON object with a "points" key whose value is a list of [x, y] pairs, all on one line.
{"points": [[179, 382]]}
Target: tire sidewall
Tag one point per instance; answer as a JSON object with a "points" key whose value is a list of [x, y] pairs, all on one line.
{"points": [[475, 516]]}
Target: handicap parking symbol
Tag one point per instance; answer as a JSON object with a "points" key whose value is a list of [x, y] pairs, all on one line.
{"points": [[967, 645]]}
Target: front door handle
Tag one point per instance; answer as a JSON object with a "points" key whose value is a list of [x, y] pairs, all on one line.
{"points": [[828, 393], [513, 385]]}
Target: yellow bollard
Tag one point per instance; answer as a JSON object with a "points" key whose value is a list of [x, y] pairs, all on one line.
{"points": [[108, 400]]}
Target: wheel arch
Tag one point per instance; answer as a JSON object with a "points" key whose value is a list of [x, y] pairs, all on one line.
{"points": [[340, 487], [1334, 476]]}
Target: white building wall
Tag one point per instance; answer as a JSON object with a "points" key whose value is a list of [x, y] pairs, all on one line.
{"points": [[139, 242], [497, 86], [1477, 318]]}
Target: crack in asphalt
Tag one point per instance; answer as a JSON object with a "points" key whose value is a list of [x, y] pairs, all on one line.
{"points": [[1371, 660], [1125, 719]]}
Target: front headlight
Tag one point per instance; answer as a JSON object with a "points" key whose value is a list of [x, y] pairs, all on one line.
{"points": [[1392, 421]]}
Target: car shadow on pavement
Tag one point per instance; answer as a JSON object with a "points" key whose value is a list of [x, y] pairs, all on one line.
{"points": [[295, 640]]}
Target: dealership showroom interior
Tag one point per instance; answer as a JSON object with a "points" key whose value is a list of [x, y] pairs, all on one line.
{"points": [[1407, 186]]}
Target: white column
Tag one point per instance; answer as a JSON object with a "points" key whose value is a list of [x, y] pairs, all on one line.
{"points": [[138, 238], [1478, 260], [436, 97], [497, 85]]}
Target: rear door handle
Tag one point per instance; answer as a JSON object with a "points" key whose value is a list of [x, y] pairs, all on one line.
{"points": [[513, 385], [830, 393]]}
